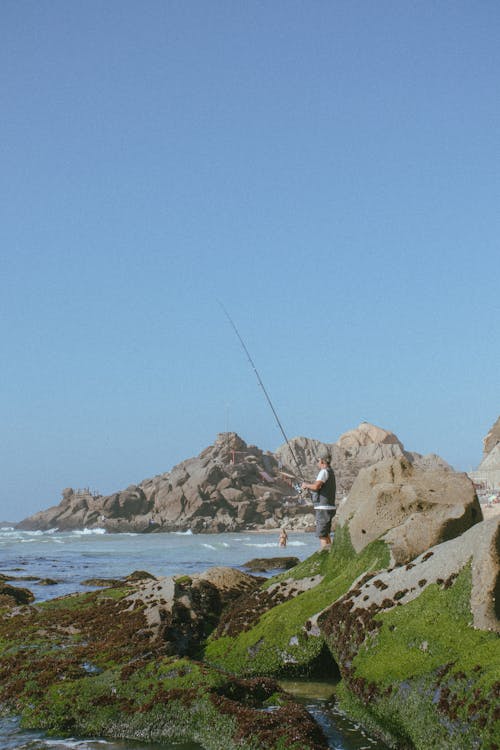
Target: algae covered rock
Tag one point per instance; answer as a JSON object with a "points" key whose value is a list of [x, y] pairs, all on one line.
{"points": [[100, 664], [171, 700], [415, 508], [418, 646], [266, 631], [11, 596], [412, 631], [183, 610]]}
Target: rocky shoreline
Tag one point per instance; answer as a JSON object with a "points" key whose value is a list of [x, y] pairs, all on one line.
{"points": [[403, 610]]}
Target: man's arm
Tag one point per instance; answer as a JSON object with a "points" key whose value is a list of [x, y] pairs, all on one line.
{"points": [[314, 486]]}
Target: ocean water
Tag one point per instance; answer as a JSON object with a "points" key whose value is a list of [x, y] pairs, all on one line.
{"points": [[70, 558], [74, 556]]}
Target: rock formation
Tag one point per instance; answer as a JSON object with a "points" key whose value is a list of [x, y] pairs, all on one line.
{"points": [[11, 596], [230, 486], [412, 508], [492, 439], [488, 471], [353, 451]]}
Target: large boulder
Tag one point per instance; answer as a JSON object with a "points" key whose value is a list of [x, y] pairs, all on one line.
{"points": [[491, 462], [12, 596], [183, 610], [413, 508], [126, 504]]}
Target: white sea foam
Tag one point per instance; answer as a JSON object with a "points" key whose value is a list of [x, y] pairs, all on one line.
{"points": [[85, 531], [184, 533]]}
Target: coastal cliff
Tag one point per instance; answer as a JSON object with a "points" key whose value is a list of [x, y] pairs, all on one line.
{"points": [[230, 486]]}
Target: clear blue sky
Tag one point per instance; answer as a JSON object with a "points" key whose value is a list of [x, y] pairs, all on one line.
{"points": [[330, 170]]}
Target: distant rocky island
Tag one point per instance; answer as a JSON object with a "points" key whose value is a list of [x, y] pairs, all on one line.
{"points": [[230, 486]]}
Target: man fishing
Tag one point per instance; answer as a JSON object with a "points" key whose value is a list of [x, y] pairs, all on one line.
{"points": [[324, 489]]}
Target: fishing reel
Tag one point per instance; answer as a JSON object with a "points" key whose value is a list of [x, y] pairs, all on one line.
{"points": [[304, 496]]}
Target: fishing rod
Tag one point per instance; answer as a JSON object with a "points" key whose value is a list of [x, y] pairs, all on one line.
{"points": [[259, 379]]}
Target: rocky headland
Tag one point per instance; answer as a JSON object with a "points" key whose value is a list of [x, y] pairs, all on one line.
{"points": [[230, 486]]}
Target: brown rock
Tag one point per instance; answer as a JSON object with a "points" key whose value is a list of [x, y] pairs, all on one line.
{"points": [[367, 434], [15, 595], [353, 451], [183, 610], [412, 508]]}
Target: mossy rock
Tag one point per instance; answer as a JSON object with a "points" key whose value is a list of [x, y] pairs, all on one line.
{"points": [[268, 632], [169, 700], [90, 665], [420, 674], [14, 595]]}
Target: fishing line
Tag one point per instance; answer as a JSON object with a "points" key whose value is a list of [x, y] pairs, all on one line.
{"points": [[259, 379]]}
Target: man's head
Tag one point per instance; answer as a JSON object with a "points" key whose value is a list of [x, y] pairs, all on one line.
{"points": [[324, 456]]}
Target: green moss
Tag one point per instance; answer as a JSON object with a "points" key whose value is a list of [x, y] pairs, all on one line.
{"points": [[278, 643], [114, 593], [428, 675], [427, 632], [174, 700], [69, 602], [141, 707]]}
